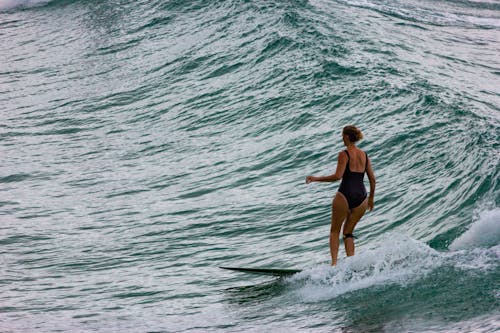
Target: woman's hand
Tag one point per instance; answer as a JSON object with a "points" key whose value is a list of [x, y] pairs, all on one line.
{"points": [[309, 179], [370, 203]]}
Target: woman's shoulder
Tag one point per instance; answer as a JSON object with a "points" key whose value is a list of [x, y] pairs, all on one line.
{"points": [[354, 151], [359, 153], [343, 155], [344, 152]]}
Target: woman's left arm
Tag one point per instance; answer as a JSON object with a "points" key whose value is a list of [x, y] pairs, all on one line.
{"points": [[371, 177]]}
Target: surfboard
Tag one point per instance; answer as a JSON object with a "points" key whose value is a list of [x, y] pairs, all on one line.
{"points": [[264, 271]]}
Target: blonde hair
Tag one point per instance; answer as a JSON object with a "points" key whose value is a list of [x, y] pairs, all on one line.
{"points": [[353, 133]]}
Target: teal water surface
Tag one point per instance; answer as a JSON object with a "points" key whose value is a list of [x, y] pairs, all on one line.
{"points": [[147, 143]]}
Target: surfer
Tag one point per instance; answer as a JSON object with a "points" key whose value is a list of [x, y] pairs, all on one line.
{"points": [[351, 201]]}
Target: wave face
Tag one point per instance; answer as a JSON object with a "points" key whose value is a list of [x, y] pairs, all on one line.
{"points": [[16, 4], [146, 143]]}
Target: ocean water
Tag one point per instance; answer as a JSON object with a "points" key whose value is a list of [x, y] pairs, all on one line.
{"points": [[146, 143]]}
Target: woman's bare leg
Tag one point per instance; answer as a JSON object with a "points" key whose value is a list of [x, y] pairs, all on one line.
{"points": [[340, 212], [353, 218]]}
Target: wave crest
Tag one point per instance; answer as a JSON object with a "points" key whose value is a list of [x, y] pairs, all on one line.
{"points": [[485, 232]]}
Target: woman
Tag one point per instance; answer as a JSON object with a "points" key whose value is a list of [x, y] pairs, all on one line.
{"points": [[351, 201]]}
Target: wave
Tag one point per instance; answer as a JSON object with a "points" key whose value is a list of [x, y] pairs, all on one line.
{"points": [[11, 4], [396, 259], [485, 232], [478, 14], [393, 260]]}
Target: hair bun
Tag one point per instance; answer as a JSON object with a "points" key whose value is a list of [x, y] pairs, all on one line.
{"points": [[353, 133]]}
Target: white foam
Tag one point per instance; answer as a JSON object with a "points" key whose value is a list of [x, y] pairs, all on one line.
{"points": [[10, 4], [396, 259], [485, 232], [479, 259]]}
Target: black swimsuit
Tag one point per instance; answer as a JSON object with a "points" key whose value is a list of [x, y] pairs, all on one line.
{"points": [[352, 186]]}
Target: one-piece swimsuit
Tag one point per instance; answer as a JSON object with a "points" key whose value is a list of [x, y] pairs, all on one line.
{"points": [[352, 186]]}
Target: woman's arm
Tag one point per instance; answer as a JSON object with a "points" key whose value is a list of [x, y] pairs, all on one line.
{"points": [[341, 165], [371, 177]]}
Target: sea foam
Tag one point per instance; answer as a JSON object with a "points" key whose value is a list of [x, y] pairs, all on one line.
{"points": [[398, 259], [395, 259]]}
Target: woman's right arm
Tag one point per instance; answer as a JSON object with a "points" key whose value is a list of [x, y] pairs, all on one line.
{"points": [[371, 177], [341, 165]]}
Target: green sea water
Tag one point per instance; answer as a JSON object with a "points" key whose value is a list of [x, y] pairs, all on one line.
{"points": [[146, 143]]}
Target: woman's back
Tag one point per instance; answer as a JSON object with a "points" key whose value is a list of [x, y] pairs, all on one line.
{"points": [[357, 160]]}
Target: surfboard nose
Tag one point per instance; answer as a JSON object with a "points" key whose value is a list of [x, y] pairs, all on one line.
{"points": [[264, 271]]}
